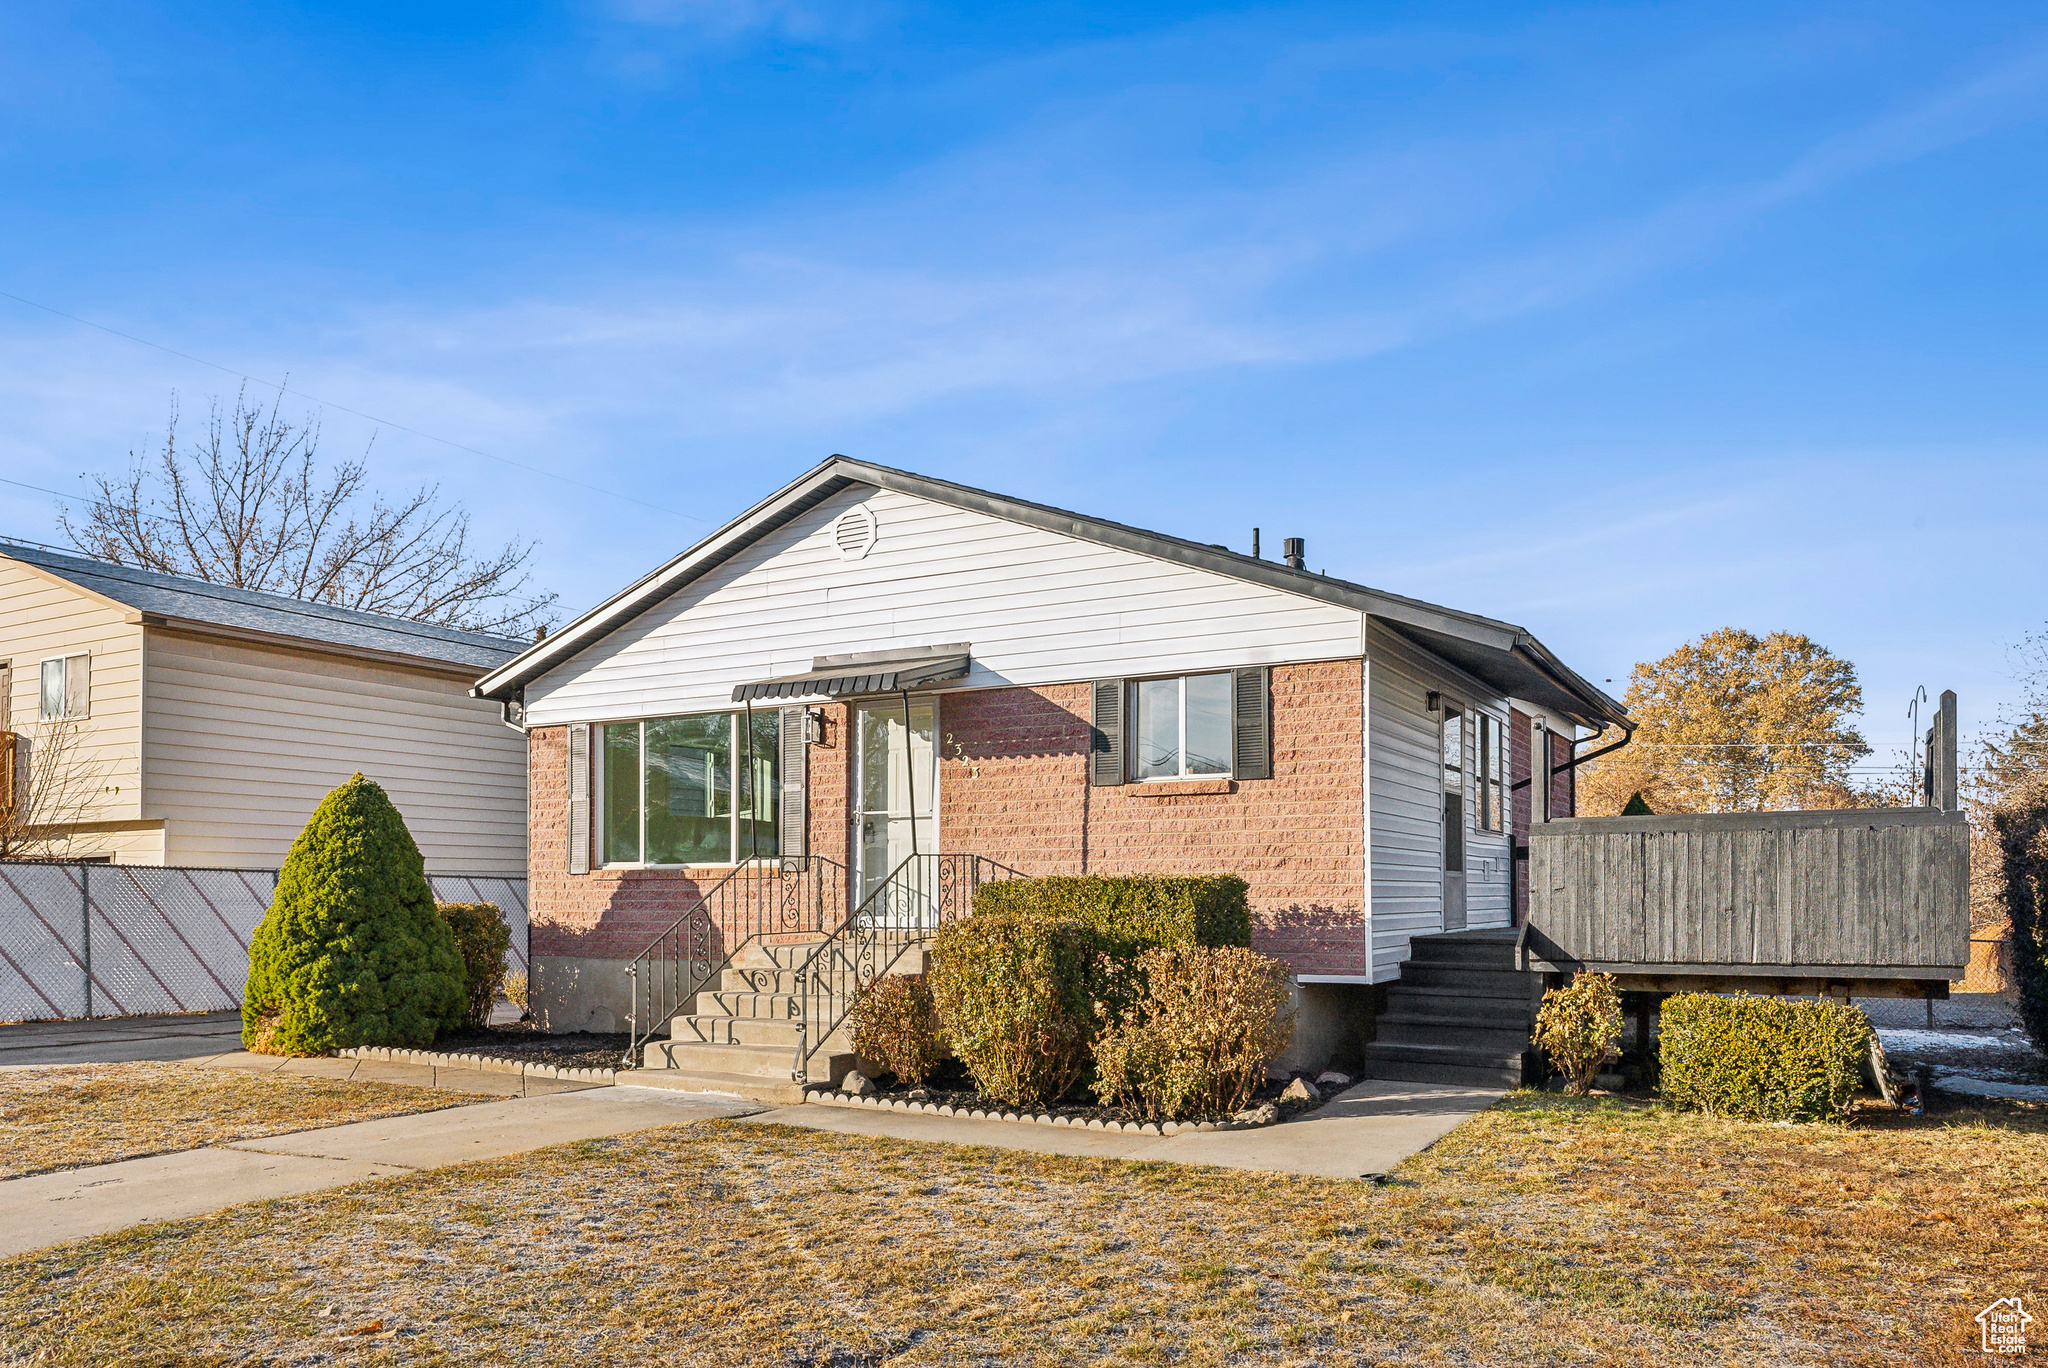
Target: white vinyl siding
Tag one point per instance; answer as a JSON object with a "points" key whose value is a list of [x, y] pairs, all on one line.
{"points": [[244, 740], [1040, 608], [1405, 788], [41, 619]]}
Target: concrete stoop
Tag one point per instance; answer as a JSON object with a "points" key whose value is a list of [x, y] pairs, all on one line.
{"points": [[1461, 1014], [740, 1036]]}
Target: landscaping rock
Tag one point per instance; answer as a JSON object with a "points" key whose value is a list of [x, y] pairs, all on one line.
{"points": [[857, 1083], [1330, 1078], [1301, 1090], [1265, 1114], [1611, 1082]]}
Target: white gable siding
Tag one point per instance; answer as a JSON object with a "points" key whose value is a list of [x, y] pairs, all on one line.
{"points": [[1405, 802], [244, 740], [1039, 608]]}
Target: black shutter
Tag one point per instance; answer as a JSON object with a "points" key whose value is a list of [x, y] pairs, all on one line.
{"points": [[579, 798], [1106, 742], [1252, 732], [792, 808]]}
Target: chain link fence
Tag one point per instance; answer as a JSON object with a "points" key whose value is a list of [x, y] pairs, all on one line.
{"points": [[100, 940]]}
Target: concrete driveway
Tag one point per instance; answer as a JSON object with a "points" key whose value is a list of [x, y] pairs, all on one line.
{"points": [[116, 1040]]}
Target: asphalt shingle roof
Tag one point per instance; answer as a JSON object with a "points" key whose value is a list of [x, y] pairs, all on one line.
{"points": [[197, 601]]}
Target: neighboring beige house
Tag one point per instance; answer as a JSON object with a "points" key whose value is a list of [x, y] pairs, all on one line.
{"points": [[213, 719]]}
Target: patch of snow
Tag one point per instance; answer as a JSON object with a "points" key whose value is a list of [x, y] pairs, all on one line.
{"points": [[1980, 1087], [1900, 1038]]}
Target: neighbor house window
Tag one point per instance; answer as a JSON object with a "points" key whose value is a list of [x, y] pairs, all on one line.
{"points": [[1491, 773], [67, 688], [689, 790], [1181, 727]]}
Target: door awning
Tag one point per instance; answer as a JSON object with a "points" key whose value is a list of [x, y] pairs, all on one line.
{"points": [[864, 672]]}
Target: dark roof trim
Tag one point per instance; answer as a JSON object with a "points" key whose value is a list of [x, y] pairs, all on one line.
{"points": [[154, 598], [1547, 678], [864, 672]]}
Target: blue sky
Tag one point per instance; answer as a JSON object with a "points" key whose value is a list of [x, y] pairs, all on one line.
{"points": [[1620, 322]]}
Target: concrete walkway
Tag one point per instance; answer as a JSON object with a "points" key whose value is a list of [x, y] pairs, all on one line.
{"points": [[54, 1207], [1364, 1131]]}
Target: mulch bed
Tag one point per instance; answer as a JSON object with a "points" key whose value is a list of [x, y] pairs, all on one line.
{"points": [[954, 1087], [528, 1044]]}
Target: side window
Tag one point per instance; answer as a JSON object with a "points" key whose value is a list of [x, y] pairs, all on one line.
{"points": [[1490, 773], [1454, 761], [66, 689], [1181, 728]]}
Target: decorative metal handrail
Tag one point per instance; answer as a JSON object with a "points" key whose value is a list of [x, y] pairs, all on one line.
{"points": [[795, 897], [903, 912]]}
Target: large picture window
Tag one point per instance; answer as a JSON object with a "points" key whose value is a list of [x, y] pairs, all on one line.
{"points": [[1181, 728], [689, 790]]}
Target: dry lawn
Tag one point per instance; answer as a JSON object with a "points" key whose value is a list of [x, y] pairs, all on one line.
{"points": [[69, 1115], [1547, 1231]]}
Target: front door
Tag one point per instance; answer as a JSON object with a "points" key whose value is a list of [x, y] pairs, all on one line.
{"points": [[896, 782]]}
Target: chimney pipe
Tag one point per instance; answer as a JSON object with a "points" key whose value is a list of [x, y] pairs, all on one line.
{"points": [[1255, 544], [1297, 553]]}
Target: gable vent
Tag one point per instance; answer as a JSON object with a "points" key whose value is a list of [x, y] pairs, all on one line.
{"points": [[854, 534]]}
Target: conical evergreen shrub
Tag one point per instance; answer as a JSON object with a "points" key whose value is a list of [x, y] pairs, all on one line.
{"points": [[1637, 806], [352, 951]]}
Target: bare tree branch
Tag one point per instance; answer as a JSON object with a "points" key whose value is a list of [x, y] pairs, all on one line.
{"points": [[49, 783], [251, 506]]}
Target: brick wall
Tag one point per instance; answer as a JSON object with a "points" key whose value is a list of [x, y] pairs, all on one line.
{"points": [[1013, 786]]}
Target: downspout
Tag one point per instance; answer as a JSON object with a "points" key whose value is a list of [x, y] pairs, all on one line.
{"points": [[1628, 734]]}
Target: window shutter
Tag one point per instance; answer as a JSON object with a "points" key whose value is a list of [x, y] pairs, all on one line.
{"points": [[793, 810], [78, 686], [1252, 734], [579, 797], [1106, 741]]}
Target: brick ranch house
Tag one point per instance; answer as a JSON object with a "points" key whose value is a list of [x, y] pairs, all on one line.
{"points": [[871, 662]]}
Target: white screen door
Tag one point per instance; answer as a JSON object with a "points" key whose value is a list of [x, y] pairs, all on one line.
{"points": [[896, 793]]}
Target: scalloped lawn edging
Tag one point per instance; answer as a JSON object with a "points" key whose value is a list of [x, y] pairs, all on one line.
{"points": [[486, 1063], [1029, 1117]]}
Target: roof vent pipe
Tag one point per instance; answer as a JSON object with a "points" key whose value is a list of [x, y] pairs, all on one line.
{"points": [[1296, 551]]}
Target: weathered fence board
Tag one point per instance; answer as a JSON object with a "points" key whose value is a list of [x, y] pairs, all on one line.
{"points": [[1864, 893]]}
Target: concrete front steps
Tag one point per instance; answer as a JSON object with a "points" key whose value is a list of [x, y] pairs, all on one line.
{"points": [[740, 1035], [1461, 1013]]}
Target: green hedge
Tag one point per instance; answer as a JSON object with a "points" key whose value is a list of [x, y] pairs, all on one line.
{"points": [[1762, 1059], [481, 938], [1132, 912], [1016, 1000]]}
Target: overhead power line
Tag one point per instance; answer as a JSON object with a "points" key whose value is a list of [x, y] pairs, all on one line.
{"points": [[328, 403], [37, 488]]}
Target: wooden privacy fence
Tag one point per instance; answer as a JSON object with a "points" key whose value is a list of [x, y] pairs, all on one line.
{"points": [[1865, 895], [100, 940]]}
